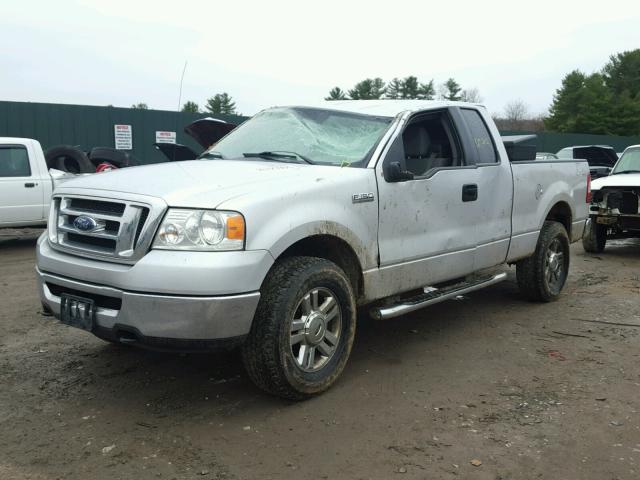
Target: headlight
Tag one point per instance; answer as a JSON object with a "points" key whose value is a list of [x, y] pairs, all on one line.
{"points": [[183, 229]]}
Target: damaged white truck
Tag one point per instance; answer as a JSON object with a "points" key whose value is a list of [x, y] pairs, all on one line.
{"points": [[615, 210], [282, 229]]}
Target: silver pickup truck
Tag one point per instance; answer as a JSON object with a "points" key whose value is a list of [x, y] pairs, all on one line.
{"points": [[274, 237]]}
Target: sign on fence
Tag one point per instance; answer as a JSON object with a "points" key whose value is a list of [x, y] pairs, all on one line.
{"points": [[123, 135], [165, 137]]}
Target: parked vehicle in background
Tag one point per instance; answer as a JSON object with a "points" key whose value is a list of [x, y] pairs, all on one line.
{"points": [[273, 238], [546, 156], [25, 183], [206, 131], [601, 158], [614, 211]]}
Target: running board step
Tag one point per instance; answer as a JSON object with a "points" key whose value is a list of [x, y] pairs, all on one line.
{"points": [[434, 296]]}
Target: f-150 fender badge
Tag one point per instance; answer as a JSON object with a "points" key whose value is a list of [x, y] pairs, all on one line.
{"points": [[539, 191], [362, 197]]}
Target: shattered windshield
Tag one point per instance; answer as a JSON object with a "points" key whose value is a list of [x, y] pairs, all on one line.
{"points": [[629, 162], [318, 136]]}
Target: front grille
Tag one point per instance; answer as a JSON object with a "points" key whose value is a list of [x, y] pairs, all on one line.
{"points": [[95, 206], [82, 240], [117, 229], [102, 301]]}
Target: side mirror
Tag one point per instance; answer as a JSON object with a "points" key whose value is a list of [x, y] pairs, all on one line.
{"points": [[396, 174]]}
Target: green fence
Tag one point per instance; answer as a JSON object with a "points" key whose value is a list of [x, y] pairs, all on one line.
{"points": [[552, 142], [90, 126]]}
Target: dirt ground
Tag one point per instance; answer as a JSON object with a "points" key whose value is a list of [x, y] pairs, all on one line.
{"points": [[524, 391]]}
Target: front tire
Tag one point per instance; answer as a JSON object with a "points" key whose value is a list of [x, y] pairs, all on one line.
{"points": [[542, 276], [303, 329], [595, 237]]}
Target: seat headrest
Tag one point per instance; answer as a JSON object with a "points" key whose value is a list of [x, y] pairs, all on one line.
{"points": [[416, 141]]}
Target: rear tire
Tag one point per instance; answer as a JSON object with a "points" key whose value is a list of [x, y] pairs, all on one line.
{"points": [[69, 159], [542, 276], [595, 237], [303, 329]]}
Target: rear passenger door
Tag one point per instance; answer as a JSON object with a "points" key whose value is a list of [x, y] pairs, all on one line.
{"points": [[20, 190], [495, 189], [427, 224]]}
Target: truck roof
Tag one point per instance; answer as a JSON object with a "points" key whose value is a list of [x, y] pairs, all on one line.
{"points": [[384, 108], [15, 140]]}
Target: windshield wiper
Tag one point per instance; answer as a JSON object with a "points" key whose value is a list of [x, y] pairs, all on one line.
{"points": [[213, 154], [626, 171], [282, 156]]}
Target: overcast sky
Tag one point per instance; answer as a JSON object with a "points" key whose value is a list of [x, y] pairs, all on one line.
{"points": [[279, 52]]}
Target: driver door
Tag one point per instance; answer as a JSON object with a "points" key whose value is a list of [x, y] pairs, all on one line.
{"points": [[428, 223]]}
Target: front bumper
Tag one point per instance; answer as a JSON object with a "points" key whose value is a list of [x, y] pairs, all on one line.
{"points": [[165, 298], [142, 317]]}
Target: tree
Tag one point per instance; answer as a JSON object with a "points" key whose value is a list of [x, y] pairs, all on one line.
{"points": [[471, 95], [368, 89], [191, 107], [140, 106], [622, 73], [516, 111], [607, 102], [450, 90], [221, 104], [394, 89], [336, 93], [583, 104], [409, 88], [426, 91]]}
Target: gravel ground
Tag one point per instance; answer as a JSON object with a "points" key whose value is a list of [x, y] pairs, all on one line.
{"points": [[486, 387]]}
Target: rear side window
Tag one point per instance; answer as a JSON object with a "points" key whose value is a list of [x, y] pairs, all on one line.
{"points": [[14, 162], [481, 137], [565, 153]]}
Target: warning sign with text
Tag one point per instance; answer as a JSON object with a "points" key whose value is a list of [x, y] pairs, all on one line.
{"points": [[123, 137], [165, 137]]}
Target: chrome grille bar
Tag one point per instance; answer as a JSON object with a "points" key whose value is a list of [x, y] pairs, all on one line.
{"points": [[122, 230]]}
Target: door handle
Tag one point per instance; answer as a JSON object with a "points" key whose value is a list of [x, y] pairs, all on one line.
{"points": [[470, 192], [29, 185]]}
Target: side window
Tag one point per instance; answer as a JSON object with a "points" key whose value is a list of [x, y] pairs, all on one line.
{"points": [[565, 153], [481, 137], [429, 143], [14, 162]]}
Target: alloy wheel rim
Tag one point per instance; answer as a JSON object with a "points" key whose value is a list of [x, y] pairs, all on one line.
{"points": [[554, 265], [315, 329]]}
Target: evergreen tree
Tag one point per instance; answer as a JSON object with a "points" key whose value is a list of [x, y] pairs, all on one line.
{"points": [[622, 73], [368, 89], [336, 93], [426, 91], [394, 89], [191, 107], [606, 102], [451, 90], [140, 106], [410, 87], [221, 103]]}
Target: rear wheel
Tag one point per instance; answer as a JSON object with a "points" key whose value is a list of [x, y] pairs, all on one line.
{"points": [[303, 330], [542, 276], [595, 237]]}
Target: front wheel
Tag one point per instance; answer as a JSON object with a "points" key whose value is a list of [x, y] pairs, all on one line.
{"points": [[595, 237], [542, 276], [303, 329]]}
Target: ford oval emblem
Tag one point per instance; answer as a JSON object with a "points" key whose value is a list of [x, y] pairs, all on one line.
{"points": [[85, 223]]}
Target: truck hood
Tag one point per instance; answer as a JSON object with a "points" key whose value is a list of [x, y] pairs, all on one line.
{"points": [[619, 180], [205, 183]]}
